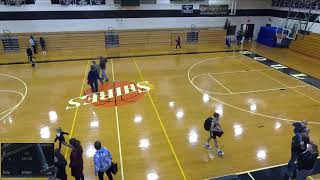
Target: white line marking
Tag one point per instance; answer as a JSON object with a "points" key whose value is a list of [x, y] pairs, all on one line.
{"points": [[270, 77], [244, 92], [240, 109], [310, 177], [251, 176], [219, 83], [11, 91], [22, 99], [232, 72], [118, 129]]}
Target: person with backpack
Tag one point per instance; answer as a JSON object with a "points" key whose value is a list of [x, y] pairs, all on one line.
{"points": [[212, 124], [306, 161], [102, 160]]}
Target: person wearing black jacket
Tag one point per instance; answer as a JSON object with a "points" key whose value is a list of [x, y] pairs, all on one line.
{"points": [[60, 164], [306, 161], [297, 148], [103, 66], [43, 45], [93, 78], [60, 137], [30, 56]]}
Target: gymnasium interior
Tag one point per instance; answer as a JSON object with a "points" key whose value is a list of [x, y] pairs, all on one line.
{"points": [[169, 66]]}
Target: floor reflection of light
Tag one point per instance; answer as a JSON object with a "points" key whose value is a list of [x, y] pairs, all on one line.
{"points": [[94, 124], [261, 154], [219, 109], [171, 104], [138, 119], [53, 116], [90, 151], [238, 130], [253, 107], [45, 132], [10, 120], [205, 98], [277, 125], [180, 114], [152, 176], [144, 144], [193, 136]]}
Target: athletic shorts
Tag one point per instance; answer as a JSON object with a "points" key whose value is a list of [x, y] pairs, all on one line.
{"points": [[214, 134]]}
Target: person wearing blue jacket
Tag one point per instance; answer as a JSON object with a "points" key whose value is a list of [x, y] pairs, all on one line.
{"points": [[102, 160]]}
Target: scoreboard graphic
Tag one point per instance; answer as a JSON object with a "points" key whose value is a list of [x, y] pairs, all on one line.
{"points": [[27, 159]]}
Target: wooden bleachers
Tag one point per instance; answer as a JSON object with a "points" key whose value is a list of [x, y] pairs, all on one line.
{"points": [[87, 45], [308, 45], [167, 37], [66, 41]]}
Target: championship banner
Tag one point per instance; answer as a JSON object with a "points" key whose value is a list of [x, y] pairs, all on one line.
{"points": [[214, 9], [187, 9]]}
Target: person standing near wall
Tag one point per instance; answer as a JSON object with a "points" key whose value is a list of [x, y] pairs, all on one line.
{"points": [[178, 42], [33, 43], [103, 67], [30, 56], [43, 45]]}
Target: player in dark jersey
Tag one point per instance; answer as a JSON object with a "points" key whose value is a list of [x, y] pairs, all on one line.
{"points": [[215, 131], [60, 137]]}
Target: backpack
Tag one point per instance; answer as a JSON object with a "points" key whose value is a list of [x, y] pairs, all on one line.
{"points": [[207, 123], [114, 168]]}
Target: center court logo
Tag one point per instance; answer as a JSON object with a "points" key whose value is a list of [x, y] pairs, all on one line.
{"points": [[112, 94]]}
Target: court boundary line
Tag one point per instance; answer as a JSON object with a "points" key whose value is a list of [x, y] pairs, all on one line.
{"points": [[280, 71], [244, 92], [162, 126], [10, 91], [220, 83], [251, 176], [118, 127], [279, 82], [252, 170], [10, 110], [119, 57], [227, 104], [77, 108]]}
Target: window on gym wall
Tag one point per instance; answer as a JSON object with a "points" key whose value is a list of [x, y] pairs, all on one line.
{"points": [[189, 1]]}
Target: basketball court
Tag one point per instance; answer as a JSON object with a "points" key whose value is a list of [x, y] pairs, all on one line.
{"points": [[155, 131]]}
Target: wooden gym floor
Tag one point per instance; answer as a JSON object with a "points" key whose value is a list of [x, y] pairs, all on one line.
{"points": [[161, 135]]}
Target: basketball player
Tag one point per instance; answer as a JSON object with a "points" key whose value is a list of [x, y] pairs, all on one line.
{"points": [[30, 56], [215, 130], [178, 42], [60, 137]]}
